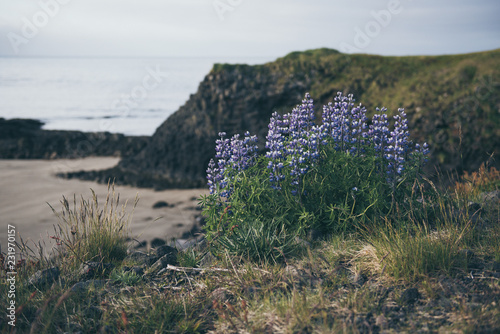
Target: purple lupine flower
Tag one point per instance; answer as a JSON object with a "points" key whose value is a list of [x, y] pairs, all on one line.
{"points": [[379, 130], [421, 151], [315, 138], [277, 152], [336, 120], [243, 152], [223, 155], [398, 147], [328, 120], [293, 143], [343, 123], [212, 176], [302, 117], [346, 124], [232, 155], [358, 129], [425, 150], [302, 139], [378, 134]]}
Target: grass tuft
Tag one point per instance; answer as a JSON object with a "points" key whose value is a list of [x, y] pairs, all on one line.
{"points": [[91, 231]]}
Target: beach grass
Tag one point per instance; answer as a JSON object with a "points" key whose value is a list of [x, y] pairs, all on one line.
{"points": [[438, 274]]}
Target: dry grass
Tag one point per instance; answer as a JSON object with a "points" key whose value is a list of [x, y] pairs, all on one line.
{"points": [[355, 283]]}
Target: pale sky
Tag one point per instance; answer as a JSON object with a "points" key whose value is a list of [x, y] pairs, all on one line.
{"points": [[246, 28]]}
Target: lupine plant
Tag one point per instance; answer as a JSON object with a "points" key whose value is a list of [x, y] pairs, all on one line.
{"points": [[329, 177], [234, 153]]}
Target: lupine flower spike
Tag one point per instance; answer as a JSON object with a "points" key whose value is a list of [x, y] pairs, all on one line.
{"points": [[293, 144]]}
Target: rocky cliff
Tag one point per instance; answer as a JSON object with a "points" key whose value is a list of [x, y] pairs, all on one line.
{"points": [[453, 103], [24, 139]]}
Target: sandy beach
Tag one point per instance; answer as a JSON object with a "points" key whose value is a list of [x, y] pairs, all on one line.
{"points": [[26, 186]]}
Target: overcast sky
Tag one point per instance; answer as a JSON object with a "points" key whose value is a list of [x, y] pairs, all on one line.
{"points": [[268, 28]]}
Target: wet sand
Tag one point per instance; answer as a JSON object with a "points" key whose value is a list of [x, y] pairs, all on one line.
{"points": [[26, 186]]}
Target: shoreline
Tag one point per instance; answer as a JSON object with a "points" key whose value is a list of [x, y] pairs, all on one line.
{"points": [[28, 186]]}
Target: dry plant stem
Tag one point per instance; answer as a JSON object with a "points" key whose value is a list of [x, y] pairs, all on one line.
{"points": [[201, 270]]}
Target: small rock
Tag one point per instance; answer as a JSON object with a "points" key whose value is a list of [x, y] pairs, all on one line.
{"points": [[410, 296], [46, 276], [164, 261], [157, 242], [160, 204], [85, 285]]}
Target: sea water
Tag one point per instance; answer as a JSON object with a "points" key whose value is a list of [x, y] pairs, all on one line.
{"points": [[132, 96]]}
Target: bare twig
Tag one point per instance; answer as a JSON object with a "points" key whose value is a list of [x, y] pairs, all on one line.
{"points": [[201, 270]]}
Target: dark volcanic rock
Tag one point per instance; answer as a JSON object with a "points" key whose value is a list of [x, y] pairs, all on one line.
{"points": [[160, 204], [165, 249], [25, 139], [164, 261]]}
